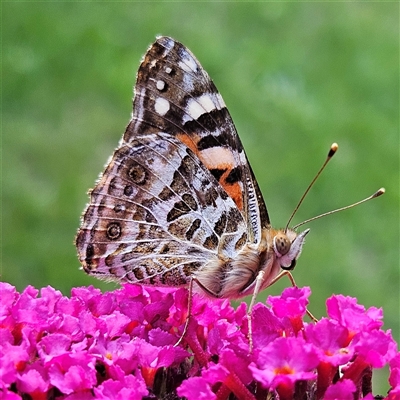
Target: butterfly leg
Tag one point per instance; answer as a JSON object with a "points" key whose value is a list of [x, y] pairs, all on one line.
{"points": [[258, 285], [189, 313], [259, 281]]}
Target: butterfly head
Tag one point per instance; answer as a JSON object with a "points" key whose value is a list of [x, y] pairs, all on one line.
{"points": [[287, 247]]}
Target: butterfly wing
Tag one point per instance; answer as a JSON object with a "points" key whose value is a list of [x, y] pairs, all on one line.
{"points": [[155, 216], [178, 192], [174, 94]]}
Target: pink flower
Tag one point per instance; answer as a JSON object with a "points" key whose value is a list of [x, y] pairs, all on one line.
{"points": [[53, 345], [394, 378], [196, 388], [129, 387], [72, 372], [376, 348], [9, 395], [353, 316], [283, 362], [121, 344], [33, 380], [8, 296], [343, 390], [292, 303], [266, 326], [13, 359], [331, 341]]}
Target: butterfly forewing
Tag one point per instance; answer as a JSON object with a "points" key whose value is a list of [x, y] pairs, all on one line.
{"points": [[174, 94]]}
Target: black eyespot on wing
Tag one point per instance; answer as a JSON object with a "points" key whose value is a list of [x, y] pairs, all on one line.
{"points": [[114, 231]]}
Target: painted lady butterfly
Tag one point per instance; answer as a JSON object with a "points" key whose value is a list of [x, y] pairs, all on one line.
{"points": [[178, 202]]}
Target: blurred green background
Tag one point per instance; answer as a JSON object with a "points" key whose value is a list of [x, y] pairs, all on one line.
{"points": [[295, 76]]}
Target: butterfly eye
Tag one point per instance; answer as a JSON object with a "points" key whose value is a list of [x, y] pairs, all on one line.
{"points": [[281, 244]]}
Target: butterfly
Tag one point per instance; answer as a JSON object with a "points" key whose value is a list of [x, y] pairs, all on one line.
{"points": [[178, 203]]}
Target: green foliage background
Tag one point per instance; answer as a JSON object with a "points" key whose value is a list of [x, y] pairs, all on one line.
{"points": [[296, 77]]}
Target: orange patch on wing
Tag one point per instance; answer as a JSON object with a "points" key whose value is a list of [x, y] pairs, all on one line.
{"points": [[190, 141], [212, 159], [235, 192]]}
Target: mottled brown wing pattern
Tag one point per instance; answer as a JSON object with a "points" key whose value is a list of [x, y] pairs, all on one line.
{"points": [[178, 196], [157, 215]]}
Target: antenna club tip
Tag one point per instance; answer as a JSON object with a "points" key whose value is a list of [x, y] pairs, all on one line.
{"points": [[333, 150], [379, 192]]}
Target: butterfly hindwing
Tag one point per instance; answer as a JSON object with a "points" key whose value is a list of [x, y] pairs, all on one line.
{"points": [[157, 215]]}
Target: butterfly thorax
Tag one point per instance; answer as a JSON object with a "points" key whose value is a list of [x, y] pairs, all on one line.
{"points": [[234, 278]]}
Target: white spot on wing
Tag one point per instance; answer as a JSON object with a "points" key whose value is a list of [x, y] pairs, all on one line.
{"points": [[188, 64], [168, 70], [205, 103], [215, 156], [160, 85], [161, 106]]}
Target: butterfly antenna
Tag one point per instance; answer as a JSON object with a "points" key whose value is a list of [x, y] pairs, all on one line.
{"points": [[331, 153], [376, 194]]}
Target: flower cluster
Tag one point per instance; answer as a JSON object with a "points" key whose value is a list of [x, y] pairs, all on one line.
{"points": [[122, 345]]}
